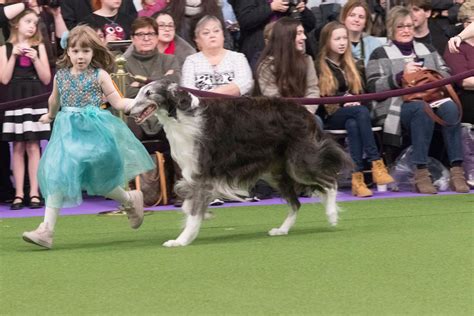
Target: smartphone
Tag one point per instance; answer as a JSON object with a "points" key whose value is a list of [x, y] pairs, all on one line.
{"points": [[420, 61]]}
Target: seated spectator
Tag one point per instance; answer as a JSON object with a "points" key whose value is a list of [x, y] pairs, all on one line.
{"points": [[144, 59], [115, 24], [355, 15], [385, 70], [215, 68], [341, 77], [426, 31], [463, 61], [284, 68], [170, 43], [186, 13], [253, 15], [75, 11], [455, 41], [25, 72], [151, 7]]}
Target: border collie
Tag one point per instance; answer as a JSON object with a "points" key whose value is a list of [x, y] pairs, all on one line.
{"points": [[223, 146]]}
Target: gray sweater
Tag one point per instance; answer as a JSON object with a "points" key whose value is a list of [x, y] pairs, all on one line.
{"points": [[385, 63]]}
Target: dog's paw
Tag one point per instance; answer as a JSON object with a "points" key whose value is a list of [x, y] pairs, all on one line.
{"points": [[172, 243], [332, 219], [277, 232]]}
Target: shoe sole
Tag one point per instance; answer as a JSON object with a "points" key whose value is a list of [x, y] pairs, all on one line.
{"points": [[35, 242]]}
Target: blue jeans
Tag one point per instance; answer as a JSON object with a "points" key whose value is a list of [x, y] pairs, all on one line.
{"points": [[421, 127], [356, 120]]}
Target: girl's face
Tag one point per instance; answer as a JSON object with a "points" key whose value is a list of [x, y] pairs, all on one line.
{"points": [[111, 4], [404, 30], [338, 42], [27, 25], [210, 36], [356, 20], [300, 38], [80, 57], [166, 28]]}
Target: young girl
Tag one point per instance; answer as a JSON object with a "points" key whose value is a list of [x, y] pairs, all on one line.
{"points": [[90, 149], [25, 70], [336, 64], [284, 69]]}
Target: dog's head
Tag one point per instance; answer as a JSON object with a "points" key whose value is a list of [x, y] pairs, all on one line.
{"points": [[162, 96]]}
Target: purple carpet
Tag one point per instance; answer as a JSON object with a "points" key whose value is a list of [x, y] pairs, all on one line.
{"points": [[95, 205]]}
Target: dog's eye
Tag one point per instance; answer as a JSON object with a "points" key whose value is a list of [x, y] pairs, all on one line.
{"points": [[147, 93]]}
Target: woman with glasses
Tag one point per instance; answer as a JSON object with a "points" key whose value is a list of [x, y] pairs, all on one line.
{"points": [[386, 67], [168, 41], [145, 60]]}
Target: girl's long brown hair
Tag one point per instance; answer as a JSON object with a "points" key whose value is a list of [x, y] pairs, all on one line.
{"points": [[84, 36], [327, 83], [288, 64], [36, 39]]}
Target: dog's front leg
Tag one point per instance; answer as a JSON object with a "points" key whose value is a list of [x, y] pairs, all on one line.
{"points": [[189, 233], [194, 209], [287, 224]]}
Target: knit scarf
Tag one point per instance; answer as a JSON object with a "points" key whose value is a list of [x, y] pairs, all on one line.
{"points": [[193, 7]]}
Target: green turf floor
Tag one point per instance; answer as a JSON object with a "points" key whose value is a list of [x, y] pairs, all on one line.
{"points": [[410, 256]]}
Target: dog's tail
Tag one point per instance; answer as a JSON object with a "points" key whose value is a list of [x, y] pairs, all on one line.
{"points": [[317, 162]]}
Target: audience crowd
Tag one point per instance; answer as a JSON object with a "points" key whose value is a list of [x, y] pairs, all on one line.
{"points": [[277, 48]]}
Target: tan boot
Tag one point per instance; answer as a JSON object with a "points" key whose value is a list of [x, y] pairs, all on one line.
{"points": [[423, 182], [458, 181], [359, 188], [380, 174]]}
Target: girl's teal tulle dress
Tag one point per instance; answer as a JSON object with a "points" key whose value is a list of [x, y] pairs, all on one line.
{"points": [[90, 149]]}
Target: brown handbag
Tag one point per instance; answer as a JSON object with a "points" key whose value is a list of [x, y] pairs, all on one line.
{"points": [[425, 76], [153, 183]]}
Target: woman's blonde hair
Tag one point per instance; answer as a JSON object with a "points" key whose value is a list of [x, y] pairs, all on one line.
{"points": [[394, 15], [36, 39], [84, 36], [351, 5], [328, 84]]}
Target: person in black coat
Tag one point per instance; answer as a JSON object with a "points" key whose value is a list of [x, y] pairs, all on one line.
{"points": [[74, 11], [253, 15]]}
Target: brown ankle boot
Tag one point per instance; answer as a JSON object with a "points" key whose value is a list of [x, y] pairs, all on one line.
{"points": [[380, 174], [359, 188], [423, 182], [458, 181]]}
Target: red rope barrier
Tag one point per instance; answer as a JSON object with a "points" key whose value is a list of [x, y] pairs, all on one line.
{"points": [[36, 100]]}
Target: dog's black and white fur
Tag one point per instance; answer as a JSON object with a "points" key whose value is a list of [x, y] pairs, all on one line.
{"points": [[224, 146]]}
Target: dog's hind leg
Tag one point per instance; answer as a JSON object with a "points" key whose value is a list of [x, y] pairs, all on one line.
{"points": [[328, 199], [194, 209], [288, 193]]}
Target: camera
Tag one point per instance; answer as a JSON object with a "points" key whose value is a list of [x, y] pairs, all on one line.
{"points": [[50, 3], [292, 9]]}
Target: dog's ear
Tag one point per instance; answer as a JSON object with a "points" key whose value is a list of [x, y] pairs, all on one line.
{"points": [[180, 99]]}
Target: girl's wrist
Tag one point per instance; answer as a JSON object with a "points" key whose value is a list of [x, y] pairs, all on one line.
{"points": [[460, 37]]}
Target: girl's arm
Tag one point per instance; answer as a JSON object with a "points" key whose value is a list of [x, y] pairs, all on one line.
{"points": [[53, 105], [111, 94], [41, 64], [7, 65]]}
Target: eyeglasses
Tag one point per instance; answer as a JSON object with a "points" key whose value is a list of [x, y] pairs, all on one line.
{"points": [[166, 26], [143, 35], [404, 26]]}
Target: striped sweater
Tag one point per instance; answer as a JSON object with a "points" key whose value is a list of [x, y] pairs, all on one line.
{"points": [[381, 72]]}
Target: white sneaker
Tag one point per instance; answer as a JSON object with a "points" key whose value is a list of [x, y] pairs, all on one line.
{"points": [[134, 209], [42, 236], [216, 202]]}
